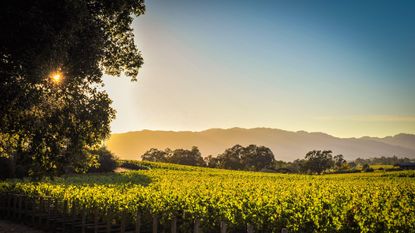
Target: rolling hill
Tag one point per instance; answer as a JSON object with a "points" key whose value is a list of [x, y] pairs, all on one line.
{"points": [[286, 145]]}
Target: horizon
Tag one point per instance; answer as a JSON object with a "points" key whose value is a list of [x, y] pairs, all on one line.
{"points": [[254, 128], [344, 69]]}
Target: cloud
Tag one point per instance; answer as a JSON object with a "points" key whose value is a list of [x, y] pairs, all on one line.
{"points": [[369, 118]]}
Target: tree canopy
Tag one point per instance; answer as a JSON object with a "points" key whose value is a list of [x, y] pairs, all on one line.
{"points": [[179, 156], [155, 155], [52, 58], [252, 157], [318, 161], [187, 157], [107, 161]]}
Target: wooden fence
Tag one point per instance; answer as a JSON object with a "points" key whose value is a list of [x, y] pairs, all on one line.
{"points": [[52, 215]]}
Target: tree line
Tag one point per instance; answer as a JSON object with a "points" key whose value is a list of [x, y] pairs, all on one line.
{"points": [[252, 157], [261, 158], [249, 158], [393, 160]]}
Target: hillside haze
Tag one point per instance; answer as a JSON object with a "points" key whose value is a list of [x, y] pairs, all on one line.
{"points": [[286, 145]]}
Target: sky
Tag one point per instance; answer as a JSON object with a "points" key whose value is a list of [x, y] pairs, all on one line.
{"points": [[346, 68]]}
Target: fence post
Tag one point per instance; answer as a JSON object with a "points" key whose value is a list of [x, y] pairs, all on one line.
{"points": [[196, 228], [42, 209], [65, 215], [48, 211], [32, 210], [65, 208], [9, 205], [138, 222], [74, 213], [83, 225], [96, 219], [109, 223], [14, 211], [155, 224], [19, 207], [223, 227], [2, 205], [174, 225], [249, 228], [25, 208], [123, 220]]}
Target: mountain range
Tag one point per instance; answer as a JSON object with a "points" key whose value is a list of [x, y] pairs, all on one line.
{"points": [[286, 145]]}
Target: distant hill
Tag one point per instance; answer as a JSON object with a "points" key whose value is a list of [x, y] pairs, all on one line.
{"points": [[286, 145], [403, 140]]}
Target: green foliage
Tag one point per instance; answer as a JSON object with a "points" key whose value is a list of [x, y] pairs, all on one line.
{"points": [[186, 157], [362, 202], [107, 162], [339, 162], [178, 156], [392, 160], [251, 158], [46, 126], [231, 158], [256, 158], [155, 155], [318, 161]]}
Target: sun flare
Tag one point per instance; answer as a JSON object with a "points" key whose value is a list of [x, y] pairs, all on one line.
{"points": [[56, 76]]}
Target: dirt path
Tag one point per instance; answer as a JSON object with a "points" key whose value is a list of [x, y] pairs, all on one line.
{"points": [[10, 227]]}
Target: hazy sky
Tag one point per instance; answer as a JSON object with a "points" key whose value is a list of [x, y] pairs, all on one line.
{"points": [[346, 68]]}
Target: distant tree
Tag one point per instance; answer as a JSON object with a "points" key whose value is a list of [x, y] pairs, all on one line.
{"points": [[187, 157], [231, 158], [285, 167], [339, 162], [298, 166], [252, 158], [366, 168], [360, 161], [277, 164], [155, 155], [256, 158], [107, 162], [352, 164], [318, 161], [392, 160], [211, 161]]}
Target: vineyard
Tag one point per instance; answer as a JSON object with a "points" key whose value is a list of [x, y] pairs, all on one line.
{"points": [[175, 198]]}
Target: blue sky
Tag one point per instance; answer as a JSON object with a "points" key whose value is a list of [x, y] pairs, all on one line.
{"points": [[346, 68]]}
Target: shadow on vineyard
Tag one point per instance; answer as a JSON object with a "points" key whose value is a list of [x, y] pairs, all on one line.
{"points": [[105, 179]]}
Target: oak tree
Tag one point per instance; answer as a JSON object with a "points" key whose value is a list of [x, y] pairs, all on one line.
{"points": [[53, 54]]}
